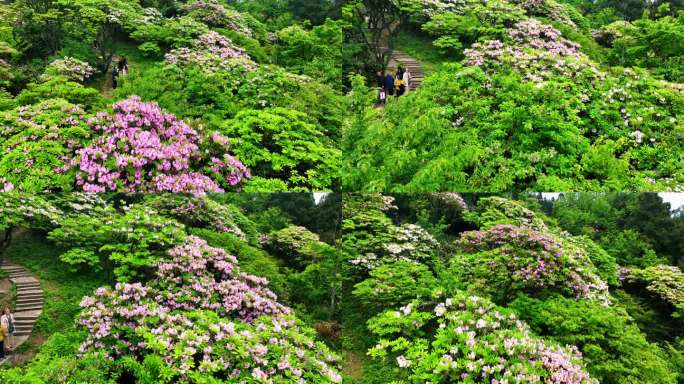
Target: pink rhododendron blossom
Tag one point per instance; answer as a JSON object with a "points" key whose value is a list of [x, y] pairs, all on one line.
{"points": [[201, 307], [144, 149]]}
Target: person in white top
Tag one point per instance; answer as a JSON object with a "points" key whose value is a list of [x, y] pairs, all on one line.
{"points": [[7, 322], [407, 79]]}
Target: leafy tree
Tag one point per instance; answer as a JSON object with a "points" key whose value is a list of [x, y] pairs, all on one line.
{"points": [[98, 22], [374, 25], [613, 348], [282, 144], [316, 53], [124, 245]]}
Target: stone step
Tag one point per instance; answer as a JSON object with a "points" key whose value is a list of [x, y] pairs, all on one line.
{"points": [[24, 323], [29, 307], [27, 302], [28, 286], [29, 296]]}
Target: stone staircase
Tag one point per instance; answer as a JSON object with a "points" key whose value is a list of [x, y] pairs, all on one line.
{"points": [[406, 61], [29, 303]]}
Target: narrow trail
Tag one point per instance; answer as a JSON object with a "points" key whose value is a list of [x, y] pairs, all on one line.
{"points": [[29, 303]]}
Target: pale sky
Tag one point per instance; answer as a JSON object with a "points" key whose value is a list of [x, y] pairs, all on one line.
{"points": [[318, 196]]}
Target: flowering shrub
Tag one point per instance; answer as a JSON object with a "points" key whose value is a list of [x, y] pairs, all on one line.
{"points": [[506, 260], [204, 318], [31, 210], [370, 239], [200, 212], [498, 210], [664, 282], [560, 12], [451, 199], [294, 243], [126, 244], [537, 51], [71, 68], [141, 148], [211, 52], [214, 14], [467, 339], [39, 139], [476, 21], [494, 210], [408, 242]]}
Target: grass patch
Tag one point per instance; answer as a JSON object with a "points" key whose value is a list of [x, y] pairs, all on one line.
{"points": [[421, 48]]}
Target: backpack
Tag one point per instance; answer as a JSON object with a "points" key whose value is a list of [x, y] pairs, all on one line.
{"points": [[10, 325]]}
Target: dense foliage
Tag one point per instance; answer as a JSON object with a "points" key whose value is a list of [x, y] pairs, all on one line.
{"points": [[365, 288], [133, 96], [524, 96]]}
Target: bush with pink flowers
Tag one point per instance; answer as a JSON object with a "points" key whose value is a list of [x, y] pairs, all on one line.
{"points": [[466, 339], [211, 52], [141, 148], [71, 68], [536, 51], [506, 260], [204, 318], [214, 14]]}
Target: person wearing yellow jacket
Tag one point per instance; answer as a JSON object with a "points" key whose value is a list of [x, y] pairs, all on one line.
{"points": [[3, 334]]}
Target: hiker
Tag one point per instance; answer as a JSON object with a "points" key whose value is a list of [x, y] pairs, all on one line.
{"points": [[123, 66], [407, 80], [399, 86], [8, 323], [382, 96], [380, 79], [115, 75], [389, 84], [3, 332]]}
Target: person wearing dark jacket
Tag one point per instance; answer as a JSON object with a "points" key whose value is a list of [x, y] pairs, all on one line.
{"points": [[123, 66], [389, 84], [115, 75], [380, 79]]}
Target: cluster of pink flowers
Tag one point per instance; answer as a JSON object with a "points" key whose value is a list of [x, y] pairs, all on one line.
{"points": [[548, 8], [198, 211], [535, 50], [477, 342], [535, 259], [196, 313], [433, 7], [211, 52], [5, 186], [71, 68], [214, 14], [143, 149], [200, 276], [451, 199]]}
